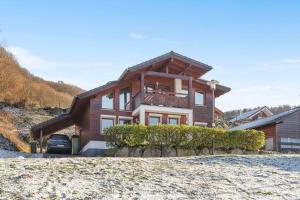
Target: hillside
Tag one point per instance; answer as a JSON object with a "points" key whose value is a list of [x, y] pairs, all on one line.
{"points": [[18, 86]]}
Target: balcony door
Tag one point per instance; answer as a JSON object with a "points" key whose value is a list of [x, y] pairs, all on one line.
{"points": [[125, 96]]}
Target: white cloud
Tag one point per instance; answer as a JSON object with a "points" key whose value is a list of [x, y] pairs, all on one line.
{"points": [[26, 59], [290, 60], [33, 62], [57, 70], [259, 96], [137, 36]]}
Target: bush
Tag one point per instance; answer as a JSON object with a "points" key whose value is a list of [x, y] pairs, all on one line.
{"points": [[183, 136]]}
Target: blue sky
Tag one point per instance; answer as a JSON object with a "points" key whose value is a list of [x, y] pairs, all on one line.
{"points": [[254, 46]]}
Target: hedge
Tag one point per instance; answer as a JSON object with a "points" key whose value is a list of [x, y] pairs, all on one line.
{"points": [[183, 136]]}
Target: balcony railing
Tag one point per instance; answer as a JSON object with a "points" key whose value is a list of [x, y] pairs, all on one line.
{"points": [[158, 98]]}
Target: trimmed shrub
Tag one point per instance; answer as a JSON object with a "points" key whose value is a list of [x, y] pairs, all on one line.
{"points": [[126, 135], [183, 136]]}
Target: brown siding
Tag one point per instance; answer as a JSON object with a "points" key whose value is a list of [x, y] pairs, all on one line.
{"points": [[203, 113], [96, 112], [83, 123], [270, 132], [290, 126]]}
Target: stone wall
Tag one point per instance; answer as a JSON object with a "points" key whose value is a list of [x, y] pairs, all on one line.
{"points": [[168, 152]]}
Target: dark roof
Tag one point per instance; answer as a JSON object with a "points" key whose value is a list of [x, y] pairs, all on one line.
{"points": [[164, 57], [266, 121], [248, 114]]}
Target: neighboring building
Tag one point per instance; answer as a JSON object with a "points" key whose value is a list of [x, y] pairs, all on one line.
{"points": [[249, 116], [282, 130], [166, 90], [218, 113]]}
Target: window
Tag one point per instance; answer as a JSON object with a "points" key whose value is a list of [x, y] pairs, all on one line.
{"points": [[153, 120], [125, 121], [149, 87], [173, 121], [106, 123], [199, 98], [162, 89], [108, 101], [125, 99]]}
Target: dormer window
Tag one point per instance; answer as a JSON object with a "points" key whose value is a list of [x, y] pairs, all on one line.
{"points": [[108, 101]]}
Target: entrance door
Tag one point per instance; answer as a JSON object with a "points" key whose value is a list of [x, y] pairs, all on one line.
{"points": [[269, 144]]}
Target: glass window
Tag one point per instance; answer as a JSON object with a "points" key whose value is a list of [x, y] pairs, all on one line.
{"points": [[106, 123], [125, 99], [153, 120], [108, 101], [124, 121], [199, 98], [149, 87], [173, 121], [163, 89]]}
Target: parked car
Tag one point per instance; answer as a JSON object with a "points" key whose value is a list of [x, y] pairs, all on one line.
{"points": [[58, 143]]}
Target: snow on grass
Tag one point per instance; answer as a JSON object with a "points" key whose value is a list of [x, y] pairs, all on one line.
{"points": [[206, 177]]}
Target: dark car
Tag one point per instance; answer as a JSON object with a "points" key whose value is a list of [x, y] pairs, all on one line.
{"points": [[58, 143]]}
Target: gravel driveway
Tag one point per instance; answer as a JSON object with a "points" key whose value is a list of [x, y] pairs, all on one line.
{"points": [[211, 177]]}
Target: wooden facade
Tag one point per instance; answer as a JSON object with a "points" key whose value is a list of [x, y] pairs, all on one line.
{"points": [[164, 86], [282, 130]]}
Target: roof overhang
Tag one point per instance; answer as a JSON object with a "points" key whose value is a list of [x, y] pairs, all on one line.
{"points": [[190, 66], [51, 126], [220, 90]]}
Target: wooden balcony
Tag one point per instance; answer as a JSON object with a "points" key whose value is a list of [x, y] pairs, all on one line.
{"points": [[162, 98], [169, 99]]}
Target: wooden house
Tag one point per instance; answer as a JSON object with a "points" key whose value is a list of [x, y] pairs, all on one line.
{"points": [[165, 90]]}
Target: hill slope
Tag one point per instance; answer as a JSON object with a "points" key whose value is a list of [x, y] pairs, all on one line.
{"points": [[18, 86]]}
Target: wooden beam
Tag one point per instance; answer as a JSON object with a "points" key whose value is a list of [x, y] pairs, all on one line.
{"points": [[190, 89], [185, 69], [164, 75], [165, 66], [41, 141], [142, 86]]}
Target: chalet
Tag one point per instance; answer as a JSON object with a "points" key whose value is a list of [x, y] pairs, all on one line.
{"points": [[282, 130], [167, 89], [251, 115]]}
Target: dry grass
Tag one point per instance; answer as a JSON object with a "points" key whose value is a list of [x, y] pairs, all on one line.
{"points": [[17, 85], [8, 130]]}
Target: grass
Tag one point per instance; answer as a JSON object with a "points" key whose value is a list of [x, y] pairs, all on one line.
{"points": [[8, 131]]}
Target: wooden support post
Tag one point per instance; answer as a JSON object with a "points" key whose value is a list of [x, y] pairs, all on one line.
{"points": [[142, 87], [41, 141], [213, 109], [190, 88]]}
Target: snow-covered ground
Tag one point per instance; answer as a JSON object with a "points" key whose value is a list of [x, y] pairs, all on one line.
{"points": [[211, 177]]}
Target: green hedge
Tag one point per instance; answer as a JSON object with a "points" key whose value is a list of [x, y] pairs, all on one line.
{"points": [[191, 137]]}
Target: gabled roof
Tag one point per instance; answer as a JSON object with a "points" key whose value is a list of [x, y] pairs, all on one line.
{"points": [[250, 113], [144, 65], [82, 99], [266, 121]]}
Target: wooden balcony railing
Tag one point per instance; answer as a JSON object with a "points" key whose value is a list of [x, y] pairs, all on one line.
{"points": [[169, 99]]}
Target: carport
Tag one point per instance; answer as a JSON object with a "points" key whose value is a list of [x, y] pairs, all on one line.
{"points": [[39, 131]]}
